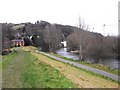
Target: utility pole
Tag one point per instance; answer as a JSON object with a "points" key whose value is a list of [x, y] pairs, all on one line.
{"points": [[104, 29], [93, 29], [80, 41]]}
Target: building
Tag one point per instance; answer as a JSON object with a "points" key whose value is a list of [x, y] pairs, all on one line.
{"points": [[18, 42]]}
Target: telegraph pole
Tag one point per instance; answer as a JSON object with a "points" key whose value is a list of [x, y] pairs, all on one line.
{"points": [[80, 41], [104, 29]]}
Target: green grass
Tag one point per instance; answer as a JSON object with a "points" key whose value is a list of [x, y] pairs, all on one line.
{"points": [[22, 70], [98, 66], [0, 65], [6, 59], [105, 77], [39, 74], [13, 65], [87, 71], [0, 75]]}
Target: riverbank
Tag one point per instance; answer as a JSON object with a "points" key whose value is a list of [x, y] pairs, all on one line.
{"points": [[98, 66], [111, 63], [80, 77]]}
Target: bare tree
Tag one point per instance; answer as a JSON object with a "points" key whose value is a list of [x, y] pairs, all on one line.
{"points": [[80, 34], [53, 37]]}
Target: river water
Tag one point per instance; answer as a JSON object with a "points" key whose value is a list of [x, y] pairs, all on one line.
{"points": [[112, 63]]}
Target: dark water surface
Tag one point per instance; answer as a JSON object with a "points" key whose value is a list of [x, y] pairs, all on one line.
{"points": [[112, 63]]}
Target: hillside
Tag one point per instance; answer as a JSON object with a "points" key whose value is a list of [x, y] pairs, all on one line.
{"points": [[48, 38], [38, 29]]}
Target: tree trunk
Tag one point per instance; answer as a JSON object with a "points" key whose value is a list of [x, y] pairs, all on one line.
{"points": [[80, 52], [50, 49]]}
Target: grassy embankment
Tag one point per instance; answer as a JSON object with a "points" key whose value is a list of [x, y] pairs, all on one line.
{"points": [[80, 77], [101, 76], [0, 72], [22, 70], [98, 66]]}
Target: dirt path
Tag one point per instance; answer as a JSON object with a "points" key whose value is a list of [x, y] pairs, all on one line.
{"points": [[81, 78]]}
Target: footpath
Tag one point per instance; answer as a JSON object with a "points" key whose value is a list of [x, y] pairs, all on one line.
{"points": [[101, 72]]}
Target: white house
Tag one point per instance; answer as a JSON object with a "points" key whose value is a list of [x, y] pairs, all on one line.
{"points": [[64, 43]]}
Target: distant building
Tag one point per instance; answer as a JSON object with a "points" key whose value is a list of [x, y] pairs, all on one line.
{"points": [[64, 43], [18, 42]]}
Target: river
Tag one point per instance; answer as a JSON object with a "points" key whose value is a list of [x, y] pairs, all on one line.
{"points": [[112, 63]]}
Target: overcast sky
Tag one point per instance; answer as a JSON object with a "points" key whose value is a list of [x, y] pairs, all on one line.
{"points": [[94, 13]]}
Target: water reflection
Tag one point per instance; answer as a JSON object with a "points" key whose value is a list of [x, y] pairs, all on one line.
{"points": [[112, 63], [63, 52], [65, 49]]}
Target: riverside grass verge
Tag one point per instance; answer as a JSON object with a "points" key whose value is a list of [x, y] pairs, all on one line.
{"points": [[87, 71], [81, 78], [21, 69], [41, 75], [98, 66]]}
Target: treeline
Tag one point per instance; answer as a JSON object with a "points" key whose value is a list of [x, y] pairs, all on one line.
{"points": [[48, 38], [93, 45], [41, 34]]}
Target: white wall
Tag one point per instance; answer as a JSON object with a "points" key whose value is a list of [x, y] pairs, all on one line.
{"points": [[64, 43], [119, 17]]}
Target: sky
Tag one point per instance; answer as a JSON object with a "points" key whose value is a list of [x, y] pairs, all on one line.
{"points": [[94, 13]]}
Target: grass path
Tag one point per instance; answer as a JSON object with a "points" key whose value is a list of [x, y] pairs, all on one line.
{"points": [[79, 77], [13, 65], [22, 70]]}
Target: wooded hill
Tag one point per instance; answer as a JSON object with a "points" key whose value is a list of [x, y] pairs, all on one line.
{"points": [[48, 37]]}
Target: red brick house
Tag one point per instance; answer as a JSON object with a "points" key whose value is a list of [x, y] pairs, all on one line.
{"points": [[18, 42]]}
